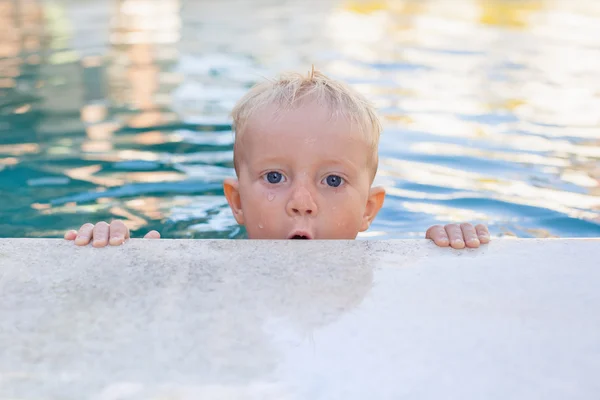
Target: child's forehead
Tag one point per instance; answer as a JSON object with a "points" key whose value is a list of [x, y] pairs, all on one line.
{"points": [[306, 133], [303, 119], [298, 145]]}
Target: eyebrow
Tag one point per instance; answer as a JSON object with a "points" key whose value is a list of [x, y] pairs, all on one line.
{"points": [[272, 159], [344, 163]]}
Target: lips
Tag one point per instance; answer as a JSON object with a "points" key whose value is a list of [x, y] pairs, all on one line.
{"points": [[301, 235]]}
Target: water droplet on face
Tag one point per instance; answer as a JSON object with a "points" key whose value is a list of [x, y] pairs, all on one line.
{"points": [[260, 226], [270, 196]]}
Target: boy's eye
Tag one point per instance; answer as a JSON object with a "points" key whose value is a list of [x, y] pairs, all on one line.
{"points": [[334, 180], [274, 177]]}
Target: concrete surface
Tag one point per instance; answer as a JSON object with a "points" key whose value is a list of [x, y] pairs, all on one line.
{"points": [[177, 319]]}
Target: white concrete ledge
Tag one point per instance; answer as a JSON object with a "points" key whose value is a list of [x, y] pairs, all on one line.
{"points": [[222, 319]]}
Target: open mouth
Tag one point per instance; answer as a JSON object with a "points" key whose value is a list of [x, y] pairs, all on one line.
{"points": [[300, 237]]}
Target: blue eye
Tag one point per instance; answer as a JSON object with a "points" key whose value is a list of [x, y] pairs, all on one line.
{"points": [[274, 177], [334, 180]]}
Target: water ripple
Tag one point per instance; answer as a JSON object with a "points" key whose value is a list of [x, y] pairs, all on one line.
{"points": [[120, 109]]}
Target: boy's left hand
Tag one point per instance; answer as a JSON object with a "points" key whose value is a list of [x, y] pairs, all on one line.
{"points": [[459, 236]]}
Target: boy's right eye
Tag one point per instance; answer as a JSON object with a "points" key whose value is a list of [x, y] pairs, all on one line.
{"points": [[274, 177]]}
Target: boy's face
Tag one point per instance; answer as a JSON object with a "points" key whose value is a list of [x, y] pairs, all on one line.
{"points": [[302, 173]]}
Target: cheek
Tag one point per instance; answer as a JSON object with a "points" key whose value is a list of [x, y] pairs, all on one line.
{"points": [[342, 221], [264, 213], [345, 208], [262, 202]]}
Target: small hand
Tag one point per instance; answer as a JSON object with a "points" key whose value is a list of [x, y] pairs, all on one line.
{"points": [[458, 235], [102, 234]]}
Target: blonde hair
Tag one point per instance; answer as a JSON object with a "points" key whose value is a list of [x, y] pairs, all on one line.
{"points": [[288, 91]]}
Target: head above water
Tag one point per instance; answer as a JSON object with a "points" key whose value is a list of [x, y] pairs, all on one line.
{"points": [[305, 156], [292, 91]]}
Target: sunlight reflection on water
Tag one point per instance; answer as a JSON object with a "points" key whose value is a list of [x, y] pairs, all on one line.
{"points": [[120, 109]]}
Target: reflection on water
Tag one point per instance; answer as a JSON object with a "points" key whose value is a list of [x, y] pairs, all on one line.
{"points": [[119, 109]]}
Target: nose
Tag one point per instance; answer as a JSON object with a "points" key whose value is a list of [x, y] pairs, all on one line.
{"points": [[301, 203]]}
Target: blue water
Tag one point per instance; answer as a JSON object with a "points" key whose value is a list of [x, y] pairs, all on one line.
{"points": [[119, 109]]}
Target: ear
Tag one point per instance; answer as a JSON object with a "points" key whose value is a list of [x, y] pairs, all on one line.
{"points": [[232, 193], [374, 204]]}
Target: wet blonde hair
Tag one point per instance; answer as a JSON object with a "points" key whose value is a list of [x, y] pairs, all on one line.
{"points": [[287, 93]]}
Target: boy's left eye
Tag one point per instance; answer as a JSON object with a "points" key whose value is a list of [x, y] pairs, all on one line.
{"points": [[334, 180]]}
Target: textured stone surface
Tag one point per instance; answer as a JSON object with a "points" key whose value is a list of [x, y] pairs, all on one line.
{"points": [[175, 319]]}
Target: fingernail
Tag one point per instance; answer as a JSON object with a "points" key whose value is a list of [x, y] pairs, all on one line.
{"points": [[116, 240]]}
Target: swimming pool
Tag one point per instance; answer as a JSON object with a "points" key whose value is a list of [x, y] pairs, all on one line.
{"points": [[118, 109]]}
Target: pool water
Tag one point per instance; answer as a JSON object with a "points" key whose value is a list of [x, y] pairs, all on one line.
{"points": [[119, 109]]}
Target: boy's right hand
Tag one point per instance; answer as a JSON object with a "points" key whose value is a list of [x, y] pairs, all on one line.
{"points": [[102, 234]]}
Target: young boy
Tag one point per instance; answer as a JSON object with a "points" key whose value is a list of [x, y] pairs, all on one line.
{"points": [[305, 157]]}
